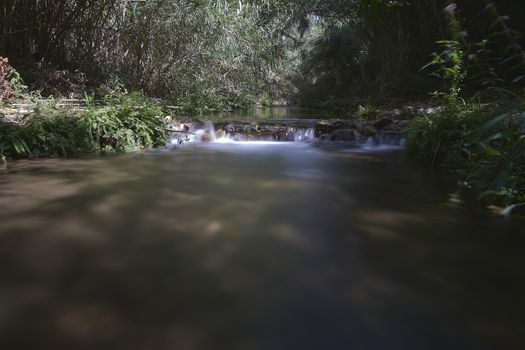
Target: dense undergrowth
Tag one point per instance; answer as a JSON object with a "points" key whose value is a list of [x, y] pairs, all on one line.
{"points": [[483, 143], [120, 123]]}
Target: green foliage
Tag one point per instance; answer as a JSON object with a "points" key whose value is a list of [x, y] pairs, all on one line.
{"points": [[124, 123], [265, 100], [17, 83], [497, 156], [490, 159], [441, 137], [200, 55], [498, 61], [12, 142], [365, 112], [50, 133], [450, 62], [450, 67], [215, 55], [484, 145], [333, 60]]}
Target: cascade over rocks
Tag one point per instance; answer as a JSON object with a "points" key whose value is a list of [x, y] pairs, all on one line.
{"points": [[384, 130]]}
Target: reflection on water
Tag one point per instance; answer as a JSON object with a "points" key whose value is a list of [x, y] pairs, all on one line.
{"points": [[274, 113], [232, 246]]}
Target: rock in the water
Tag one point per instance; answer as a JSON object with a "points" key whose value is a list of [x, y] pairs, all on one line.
{"points": [[327, 126], [344, 135], [220, 133], [206, 137], [381, 123], [368, 131]]}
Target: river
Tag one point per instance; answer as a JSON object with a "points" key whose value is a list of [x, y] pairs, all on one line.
{"points": [[269, 245]]}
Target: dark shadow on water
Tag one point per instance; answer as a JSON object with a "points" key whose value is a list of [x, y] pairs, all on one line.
{"points": [[292, 247]]}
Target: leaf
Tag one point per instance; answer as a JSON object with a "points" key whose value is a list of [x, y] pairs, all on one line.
{"points": [[496, 136], [508, 210], [24, 144], [19, 147], [507, 60], [517, 66], [518, 79], [491, 193], [501, 179], [516, 33], [518, 151], [489, 6], [491, 151], [476, 134], [427, 65], [494, 23]]}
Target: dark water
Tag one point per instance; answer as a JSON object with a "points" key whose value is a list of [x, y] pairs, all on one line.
{"points": [[287, 246]]}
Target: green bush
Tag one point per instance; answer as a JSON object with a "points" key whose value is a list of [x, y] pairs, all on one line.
{"points": [[51, 135], [441, 137], [124, 123], [47, 132], [485, 146], [497, 157], [12, 143]]}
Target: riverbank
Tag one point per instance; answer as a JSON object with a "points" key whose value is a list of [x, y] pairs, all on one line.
{"points": [[443, 136], [122, 123], [482, 144]]}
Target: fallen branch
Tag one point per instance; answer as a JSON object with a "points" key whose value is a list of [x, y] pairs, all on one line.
{"points": [[180, 131]]}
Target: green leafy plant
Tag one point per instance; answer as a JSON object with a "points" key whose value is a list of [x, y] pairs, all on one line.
{"points": [[17, 83], [12, 142], [125, 123], [450, 62], [451, 68], [483, 144], [365, 112], [497, 157], [441, 137]]}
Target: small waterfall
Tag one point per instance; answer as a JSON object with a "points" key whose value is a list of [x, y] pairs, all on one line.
{"points": [[302, 135], [382, 139], [181, 133], [283, 131]]}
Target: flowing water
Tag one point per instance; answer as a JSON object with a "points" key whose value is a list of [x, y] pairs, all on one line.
{"points": [[252, 245]]}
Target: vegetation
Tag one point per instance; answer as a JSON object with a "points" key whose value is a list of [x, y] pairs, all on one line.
{"points": [[208, 55], [125, 122], [484, 144], [199, 55]]}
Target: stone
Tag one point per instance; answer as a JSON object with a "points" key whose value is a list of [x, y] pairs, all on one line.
{"points": [[368, 131], [206, 137], [327, 126], [220, 133], [344, 135], [381, 123]]}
